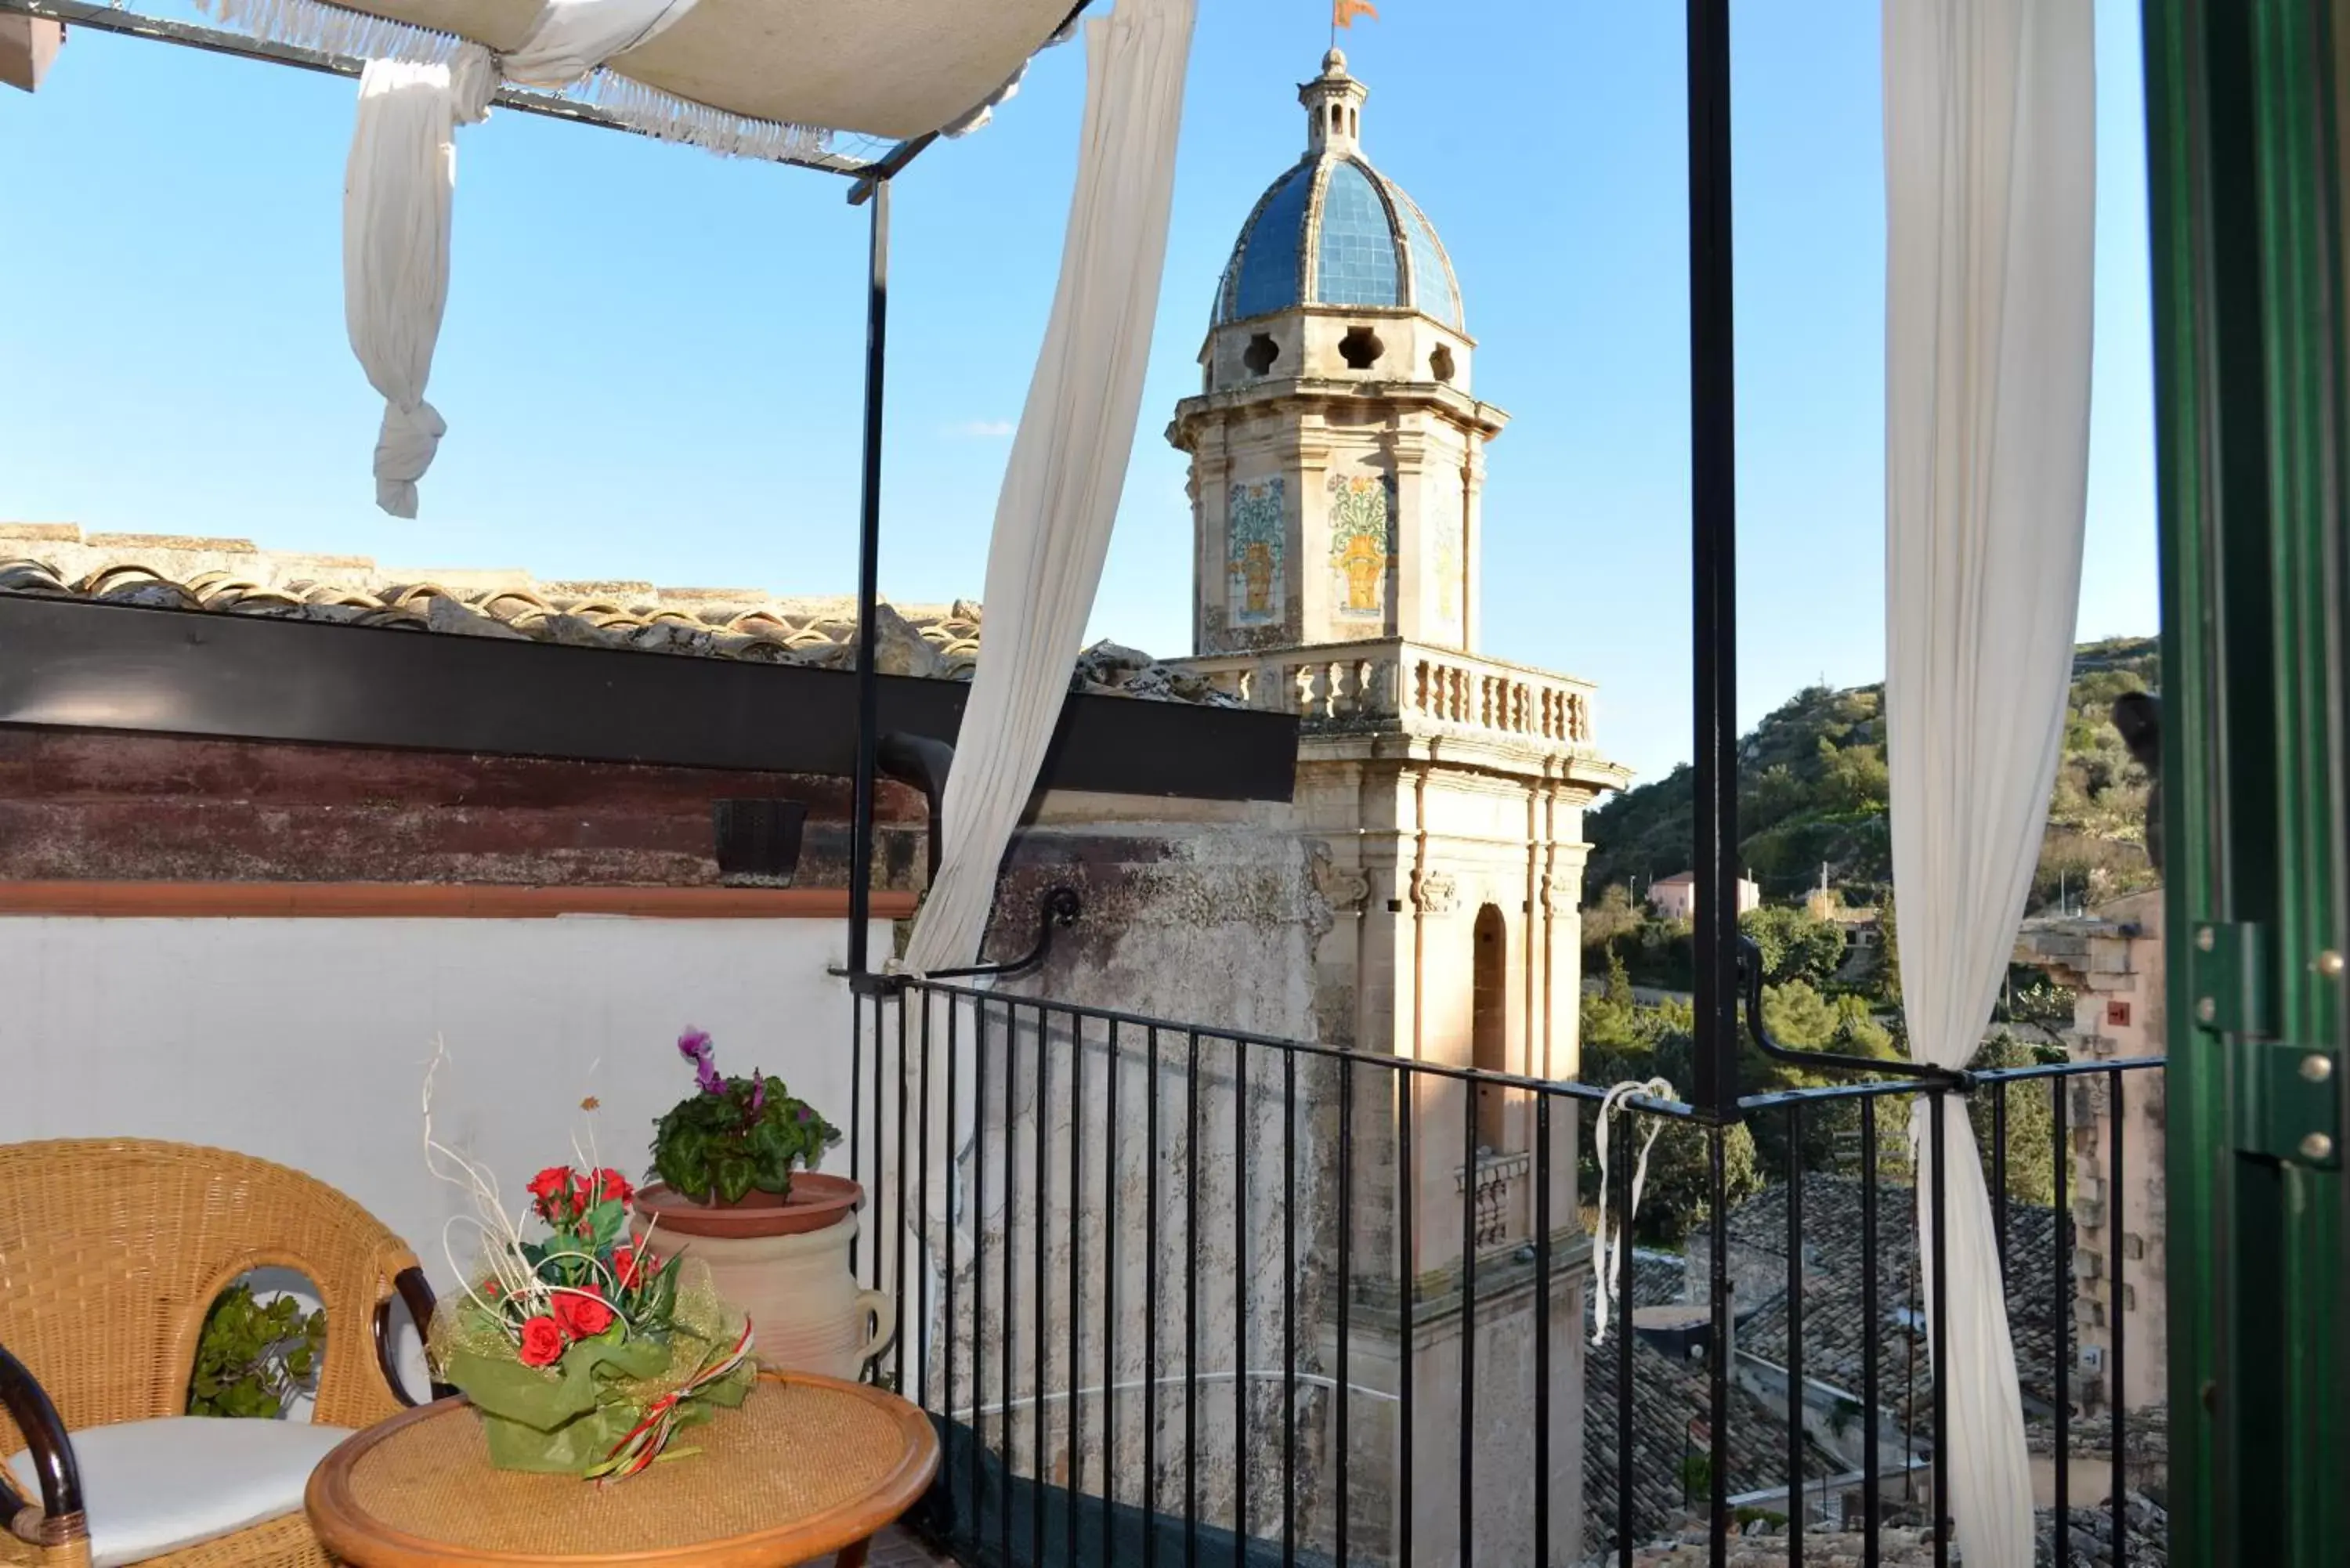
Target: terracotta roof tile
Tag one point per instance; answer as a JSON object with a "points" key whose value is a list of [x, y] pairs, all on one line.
{"points": [[231, 577]]}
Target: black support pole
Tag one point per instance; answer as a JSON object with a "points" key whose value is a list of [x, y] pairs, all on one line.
{"points": [[1713, 495], [869, 593]]}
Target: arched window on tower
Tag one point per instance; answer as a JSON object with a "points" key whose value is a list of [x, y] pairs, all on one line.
{"points": [[1489, 1032]]}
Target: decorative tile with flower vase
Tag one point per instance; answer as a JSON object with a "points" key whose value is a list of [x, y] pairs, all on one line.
{"points": [[737, 1195]]}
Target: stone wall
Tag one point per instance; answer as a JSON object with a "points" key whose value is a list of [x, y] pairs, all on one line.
{"points": [[108, 807], [1186, 1224], [2115, 961], [1173, 1187], [1504, 1383]]}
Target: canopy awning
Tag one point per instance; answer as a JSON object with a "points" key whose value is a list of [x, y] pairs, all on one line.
{"points": [[890, 68]]}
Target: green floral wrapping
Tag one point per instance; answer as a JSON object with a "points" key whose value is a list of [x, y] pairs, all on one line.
{"points": [[569, 1418]]}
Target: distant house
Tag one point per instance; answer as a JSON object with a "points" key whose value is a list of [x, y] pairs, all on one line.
{"points": [[1675, 897], [1862, 924]]}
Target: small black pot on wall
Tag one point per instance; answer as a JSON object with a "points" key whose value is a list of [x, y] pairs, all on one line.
{"points": [[758, 841]]}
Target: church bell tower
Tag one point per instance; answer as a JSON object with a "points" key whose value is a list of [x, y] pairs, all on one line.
{"points": [[1338, 453]]}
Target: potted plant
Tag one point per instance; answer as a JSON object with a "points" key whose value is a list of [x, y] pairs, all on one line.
{"points": [[738, 1191], [581, 1351]]}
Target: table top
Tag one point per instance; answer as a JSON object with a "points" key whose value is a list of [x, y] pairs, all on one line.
{"points": [[806, 1467]]}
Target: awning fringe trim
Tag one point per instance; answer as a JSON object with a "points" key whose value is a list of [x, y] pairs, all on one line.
{"points": [[336, 30]]}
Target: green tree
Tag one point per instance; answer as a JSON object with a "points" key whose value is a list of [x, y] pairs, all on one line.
{"points": [[1886, 978], [1619, 979], [1678, 1196], [1615, 917], [1858, 1032], [1799, 1016], [2031, 1119], [1635, 1044]]}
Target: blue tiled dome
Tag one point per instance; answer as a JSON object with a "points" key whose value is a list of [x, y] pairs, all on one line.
{"points": [[1335, 231]]}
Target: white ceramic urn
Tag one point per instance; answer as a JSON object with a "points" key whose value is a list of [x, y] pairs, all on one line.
{"points": [[806, 1312]]}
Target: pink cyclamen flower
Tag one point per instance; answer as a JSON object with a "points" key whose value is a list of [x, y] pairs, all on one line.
{"points": [[758, 1091], [694, 1046]]}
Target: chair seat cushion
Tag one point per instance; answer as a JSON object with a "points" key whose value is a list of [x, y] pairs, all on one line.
{"points": [[153, 1486]]}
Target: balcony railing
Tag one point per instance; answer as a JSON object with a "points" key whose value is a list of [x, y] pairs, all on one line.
{"points": [[1182, 1295], [1428, 690]]}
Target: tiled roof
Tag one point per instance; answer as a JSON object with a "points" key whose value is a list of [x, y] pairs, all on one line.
{"points": [[1671, 1400], [1835, 1304], [1671, 1397], [1658, 1278], [231, 577]]}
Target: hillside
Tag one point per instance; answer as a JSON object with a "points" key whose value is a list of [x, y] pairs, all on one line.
{"points": [[1813, 790]]}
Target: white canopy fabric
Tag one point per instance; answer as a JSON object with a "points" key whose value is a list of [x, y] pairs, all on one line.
{"points": [[397, 198], [762, 78], [1990, 185], [890, 69], [396, 209]]}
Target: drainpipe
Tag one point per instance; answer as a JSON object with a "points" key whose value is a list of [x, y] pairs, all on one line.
{"points": [[922, 762]]}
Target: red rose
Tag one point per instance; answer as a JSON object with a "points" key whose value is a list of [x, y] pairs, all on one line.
{"points": [[614, 1188], [624, 1266], [552, 1183], [542, 1342], [582, 1316]]}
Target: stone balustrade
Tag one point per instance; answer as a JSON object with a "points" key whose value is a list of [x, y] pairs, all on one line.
{"points": [[1421, 688], [1501, 1180]]}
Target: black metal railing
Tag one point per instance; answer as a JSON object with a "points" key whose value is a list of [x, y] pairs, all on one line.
{"points": [[1175, 1295]]}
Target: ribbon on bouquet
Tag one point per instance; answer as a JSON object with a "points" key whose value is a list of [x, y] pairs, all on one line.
{"points": [[635, 1452]]}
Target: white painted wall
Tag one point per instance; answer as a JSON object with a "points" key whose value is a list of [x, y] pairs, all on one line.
{"points": [[305, 1041]]}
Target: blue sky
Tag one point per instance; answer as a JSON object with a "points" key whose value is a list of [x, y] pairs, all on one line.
{"points": [[651, 359]]}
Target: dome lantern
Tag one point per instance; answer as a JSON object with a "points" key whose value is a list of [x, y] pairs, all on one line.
{"points": [[1334, 109]]}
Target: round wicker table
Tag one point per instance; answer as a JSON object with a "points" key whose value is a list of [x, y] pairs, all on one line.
{"points": [[808, 1468]]}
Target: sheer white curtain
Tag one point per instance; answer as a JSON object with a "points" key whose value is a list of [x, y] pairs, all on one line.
{"points": [[1053, 520], [1990, 155], [1069, 462], [398, 192]]}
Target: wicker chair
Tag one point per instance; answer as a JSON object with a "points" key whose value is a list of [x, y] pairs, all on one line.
{"points": [[111, 1253]]}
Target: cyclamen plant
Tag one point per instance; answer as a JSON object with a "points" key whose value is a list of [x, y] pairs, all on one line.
{"points": [[736, 1136]]}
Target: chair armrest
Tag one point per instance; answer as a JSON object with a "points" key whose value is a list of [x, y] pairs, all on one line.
{"points": [[417, 1295], [53, 1459]]}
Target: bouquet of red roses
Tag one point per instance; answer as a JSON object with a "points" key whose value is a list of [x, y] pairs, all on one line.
{"points": [[583, 1352]]}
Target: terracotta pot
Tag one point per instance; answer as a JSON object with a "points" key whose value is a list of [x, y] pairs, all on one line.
{"points": [[807, 1311], [817, 1202]]}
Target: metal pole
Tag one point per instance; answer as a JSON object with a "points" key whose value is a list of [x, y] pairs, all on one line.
{"points": [[869, 593], [1713, 516]]}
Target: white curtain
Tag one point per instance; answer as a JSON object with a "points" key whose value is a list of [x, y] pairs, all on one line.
{"points": [[1989, 155], [397, 195], [1069, 462], [1052, 519], [396, 198]]}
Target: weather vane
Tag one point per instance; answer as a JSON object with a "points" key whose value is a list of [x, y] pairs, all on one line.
{"points": [[1343, 11]]}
